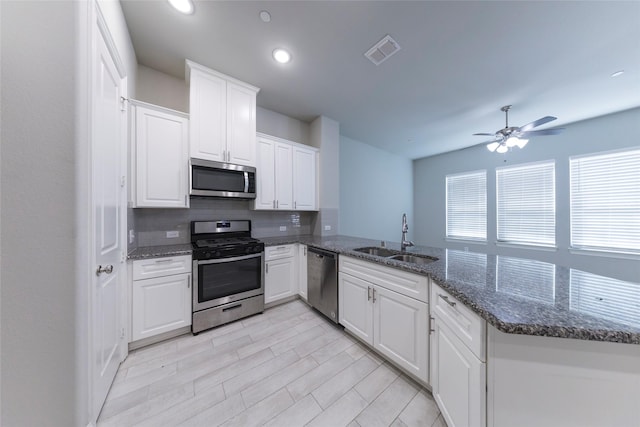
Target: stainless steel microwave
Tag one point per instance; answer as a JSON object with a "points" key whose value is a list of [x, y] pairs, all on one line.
{"points": [[217, 179]]}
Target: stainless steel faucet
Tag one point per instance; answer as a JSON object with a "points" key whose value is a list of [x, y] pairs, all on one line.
{"points": [[404, 242]]}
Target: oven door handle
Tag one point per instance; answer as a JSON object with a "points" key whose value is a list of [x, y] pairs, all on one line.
{"points": [[221, 260]]}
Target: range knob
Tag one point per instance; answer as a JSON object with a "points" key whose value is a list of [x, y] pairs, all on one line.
{"points": [[217, 254], [248, 250], [207, 255]]}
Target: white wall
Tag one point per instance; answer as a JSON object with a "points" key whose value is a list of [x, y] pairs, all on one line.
{"points": [[325, 135], [376, 188], [276, 124], [158, 88], [605, 133], [44, 359], [38, 218]]}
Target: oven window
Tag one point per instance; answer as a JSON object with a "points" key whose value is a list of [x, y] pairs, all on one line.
{"points": [[228, 278], [204, 178]]}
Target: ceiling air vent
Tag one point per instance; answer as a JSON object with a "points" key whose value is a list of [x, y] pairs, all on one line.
{"points": [[382, 50]]}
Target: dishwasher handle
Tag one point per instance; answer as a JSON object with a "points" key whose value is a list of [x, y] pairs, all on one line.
{"points": [[320, 253]]}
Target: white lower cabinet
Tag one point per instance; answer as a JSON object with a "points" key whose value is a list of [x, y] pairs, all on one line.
{"points": [[458, 361], [161, 296], [392, 323], [280, 273], [302, 271]]}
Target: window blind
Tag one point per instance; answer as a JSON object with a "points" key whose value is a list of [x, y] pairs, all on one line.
{"points": [[467, 205], [527, 204], [526, 278], [605, 202]]}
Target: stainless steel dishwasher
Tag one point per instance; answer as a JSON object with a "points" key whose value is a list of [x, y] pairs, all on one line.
{"points": [[322, 281]]}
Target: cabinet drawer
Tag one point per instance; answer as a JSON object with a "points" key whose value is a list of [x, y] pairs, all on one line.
{"points": [[165, 266], [277, 252], [464, 323], [403, 282]]}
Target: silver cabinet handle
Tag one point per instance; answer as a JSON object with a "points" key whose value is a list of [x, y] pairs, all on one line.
{"points": [[266, 269], [374, 295], [188, 281], [305, 251], [106, 269], [368, 293], [163, 260], [295, 205], [446, 299], [277, 204], [431, 320]]}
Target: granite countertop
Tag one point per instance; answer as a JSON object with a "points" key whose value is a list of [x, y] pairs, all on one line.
{"points": [[515, 295], [160, 251]]}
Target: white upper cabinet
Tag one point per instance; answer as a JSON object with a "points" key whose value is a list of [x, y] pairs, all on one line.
{"points": [[223, 117], [286, 175], [160, 149], [304, 179]]}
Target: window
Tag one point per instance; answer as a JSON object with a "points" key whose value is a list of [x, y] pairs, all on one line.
{"points": [[605, 202], [527, 204], [467, 205], [526, 278]]}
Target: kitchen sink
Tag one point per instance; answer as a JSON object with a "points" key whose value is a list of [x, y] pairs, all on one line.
{"points": [[396, 255], [372, 250], [415, 259]]}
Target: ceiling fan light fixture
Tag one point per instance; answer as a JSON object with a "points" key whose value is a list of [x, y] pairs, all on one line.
{"points": [[512, 141], [502, 149], [493, 146], [182, 6], [522, 142]]}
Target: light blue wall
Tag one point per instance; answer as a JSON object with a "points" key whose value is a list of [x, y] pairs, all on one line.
{"points": [[376, 188], [612, 132]]}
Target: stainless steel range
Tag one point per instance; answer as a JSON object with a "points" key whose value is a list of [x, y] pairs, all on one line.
{"points": [[228, 273]]}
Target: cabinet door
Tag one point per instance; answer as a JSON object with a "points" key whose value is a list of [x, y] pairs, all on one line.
{"points": [[160, 305], [208, 112], [241, 125], [302, 271], [304, 180], [458, 379], [401, 331], [279, 279], [284, 172], [356, 311], [161, 159], [265, 175]]}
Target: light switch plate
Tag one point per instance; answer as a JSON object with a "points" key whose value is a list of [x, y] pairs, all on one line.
{"points": [[283, 228], [173, 234], [327, 228]]}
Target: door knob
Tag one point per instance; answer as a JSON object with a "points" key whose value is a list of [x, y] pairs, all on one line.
{"points": [[107, 269]]}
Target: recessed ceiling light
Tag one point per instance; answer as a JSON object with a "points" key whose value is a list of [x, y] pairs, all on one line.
{"points": [[281, 56], [182, 6], [617, 73], [265, 16]]}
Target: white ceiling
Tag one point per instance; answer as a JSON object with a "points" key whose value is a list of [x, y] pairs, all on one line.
{"points": [[460, 61]]}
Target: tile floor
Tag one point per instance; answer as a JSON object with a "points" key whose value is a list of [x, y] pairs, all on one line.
{"points": [[286, 367]]}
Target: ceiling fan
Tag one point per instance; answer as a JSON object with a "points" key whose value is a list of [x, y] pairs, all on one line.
{"points": [[509, 137]]}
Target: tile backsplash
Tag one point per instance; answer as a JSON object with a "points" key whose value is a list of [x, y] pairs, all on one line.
{"points": [[152, 226]]}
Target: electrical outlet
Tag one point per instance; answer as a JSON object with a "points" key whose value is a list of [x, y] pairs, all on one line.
{"points": [[327, 228], [132, 236], [173, 234], [283, 228]]}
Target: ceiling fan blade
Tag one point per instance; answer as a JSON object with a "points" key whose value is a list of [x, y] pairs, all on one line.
{"points": [[536, 123], [542, 132], [483, 134]]}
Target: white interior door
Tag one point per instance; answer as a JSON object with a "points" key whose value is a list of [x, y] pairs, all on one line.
{"points": [[108, 121]]}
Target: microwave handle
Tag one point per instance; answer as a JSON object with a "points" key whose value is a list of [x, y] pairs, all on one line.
{"points": [[246, 182]]}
